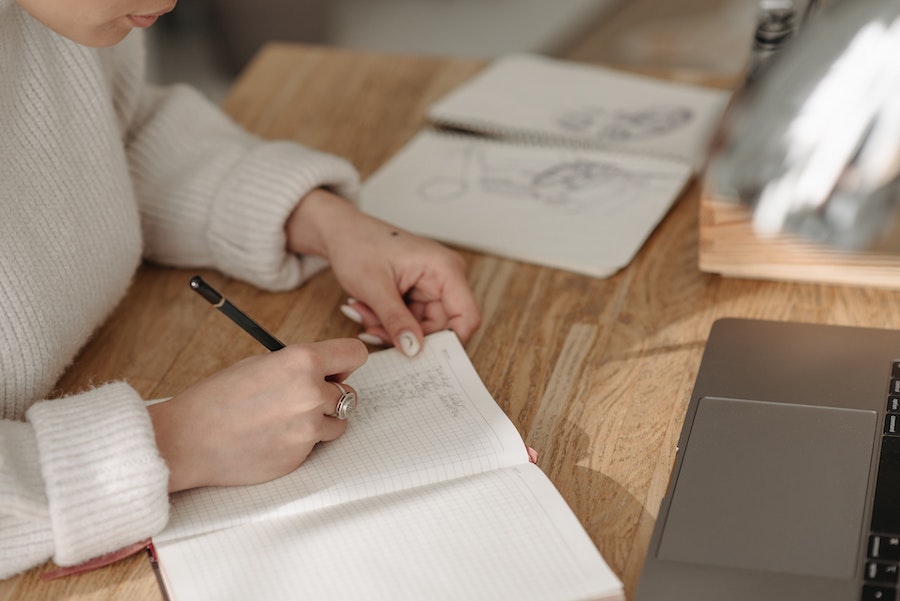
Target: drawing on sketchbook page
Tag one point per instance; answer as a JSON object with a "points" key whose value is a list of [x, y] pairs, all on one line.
{"points": [[567, 182], [606, 125]]}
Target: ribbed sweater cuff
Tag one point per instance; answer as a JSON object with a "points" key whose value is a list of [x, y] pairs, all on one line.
{"points": [[247, 226], [25, 535], [105, 480]]}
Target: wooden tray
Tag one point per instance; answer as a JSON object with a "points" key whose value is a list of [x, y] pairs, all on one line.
{"points": [[729, 246]]}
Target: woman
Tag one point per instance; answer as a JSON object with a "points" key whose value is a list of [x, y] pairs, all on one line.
{"points": [[98, 170]]}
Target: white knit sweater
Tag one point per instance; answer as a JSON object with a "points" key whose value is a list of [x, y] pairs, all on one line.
{"points": [[95, 169]]}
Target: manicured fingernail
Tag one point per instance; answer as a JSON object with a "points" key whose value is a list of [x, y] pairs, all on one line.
{"points": [[351, 313], [409, 344], [370, 339]]}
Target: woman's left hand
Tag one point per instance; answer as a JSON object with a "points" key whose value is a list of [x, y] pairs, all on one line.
{"points": [[403, 286]]}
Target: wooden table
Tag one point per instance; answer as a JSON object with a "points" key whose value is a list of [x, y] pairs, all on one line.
{"points": [[595, 373]]}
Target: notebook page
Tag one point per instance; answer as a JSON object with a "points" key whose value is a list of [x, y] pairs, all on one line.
{"points": [[418, 421], [580, 210], [502, 535], [541, 98]]}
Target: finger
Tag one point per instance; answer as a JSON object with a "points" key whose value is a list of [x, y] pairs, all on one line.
{"points": [[463, 315], [457, 302], [433, 318], [430, 315], [375, 336], [332, 428], [337, 357], [419, 310], [401, 327], [359, 313]]}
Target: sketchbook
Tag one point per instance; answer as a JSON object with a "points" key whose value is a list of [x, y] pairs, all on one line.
{"points": [[580, 210], [430, 494], [548, 162], [542, 100]]}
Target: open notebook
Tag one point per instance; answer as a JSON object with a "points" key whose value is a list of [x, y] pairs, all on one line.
{"points": [[429, 494], [566, 165]]}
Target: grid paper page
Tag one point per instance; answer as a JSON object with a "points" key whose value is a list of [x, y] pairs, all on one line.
{"points": [[502, 535], [419, 421]]}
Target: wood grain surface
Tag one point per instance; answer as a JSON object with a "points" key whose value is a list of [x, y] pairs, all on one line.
{"points": [[595, 373]]}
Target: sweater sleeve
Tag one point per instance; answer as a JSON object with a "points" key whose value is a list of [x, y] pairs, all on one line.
{"points": [[81, 477], [213, 195]]}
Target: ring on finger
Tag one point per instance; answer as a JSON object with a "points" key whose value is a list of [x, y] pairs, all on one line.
{"points": [[346, 403]]}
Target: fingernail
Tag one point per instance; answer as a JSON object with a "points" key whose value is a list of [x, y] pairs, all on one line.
{"points": [[351, 313], [409, 344], [370, 339]]}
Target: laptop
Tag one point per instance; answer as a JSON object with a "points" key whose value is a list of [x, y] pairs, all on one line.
{"points": [[786, 482]]}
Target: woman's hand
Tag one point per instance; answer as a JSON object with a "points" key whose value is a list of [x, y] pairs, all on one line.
{"points": [[404, 286], [258, 419]]}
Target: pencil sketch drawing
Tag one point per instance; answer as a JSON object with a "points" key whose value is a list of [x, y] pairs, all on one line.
{"points": [[607, 125], [567, 182]]}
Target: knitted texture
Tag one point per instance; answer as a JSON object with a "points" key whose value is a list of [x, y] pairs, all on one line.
{"points": [[97, 169], [98, 447]]}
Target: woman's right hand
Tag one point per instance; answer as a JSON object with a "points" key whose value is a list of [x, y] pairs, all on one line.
{"points": [[258, 419]]}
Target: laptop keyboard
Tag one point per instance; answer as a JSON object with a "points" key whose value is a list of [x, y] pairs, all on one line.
{"points": [[883, 557]]}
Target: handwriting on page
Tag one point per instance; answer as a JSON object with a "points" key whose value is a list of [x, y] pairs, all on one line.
{"points": [[416, 423], [395, 395]]}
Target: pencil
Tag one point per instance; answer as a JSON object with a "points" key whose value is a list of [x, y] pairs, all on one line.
{"points": [[218, 301]]}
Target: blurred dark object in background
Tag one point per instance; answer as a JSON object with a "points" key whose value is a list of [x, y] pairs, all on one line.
{"points": [[243, 26]]}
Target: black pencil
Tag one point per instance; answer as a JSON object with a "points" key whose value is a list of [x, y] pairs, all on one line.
{"points": [[218, 301]]}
